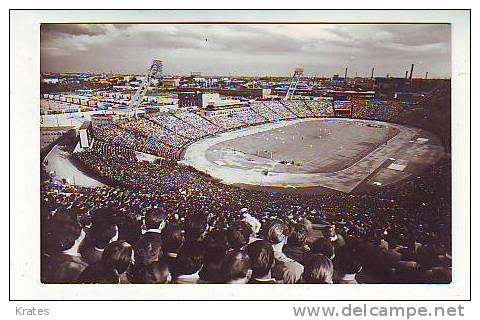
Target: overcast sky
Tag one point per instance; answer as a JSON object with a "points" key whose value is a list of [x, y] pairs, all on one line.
{"points": [[248, 49]]}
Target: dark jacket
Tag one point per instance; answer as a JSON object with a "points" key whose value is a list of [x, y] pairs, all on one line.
{"points": [[61, 268], [296, 253]]}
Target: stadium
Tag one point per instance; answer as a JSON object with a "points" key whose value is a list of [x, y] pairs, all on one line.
{"points": [[277, 171], [339, 154], [268, 192]]}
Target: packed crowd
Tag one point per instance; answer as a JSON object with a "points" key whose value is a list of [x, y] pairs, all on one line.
{"points": [[321, 108], [376, 109], [162, 222], [165, 134], [299, 108], [397, 234]]}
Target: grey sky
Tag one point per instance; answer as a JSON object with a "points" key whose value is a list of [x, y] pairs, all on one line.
{"points": [[248, 49]]}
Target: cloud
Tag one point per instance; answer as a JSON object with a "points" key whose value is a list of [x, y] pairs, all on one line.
{"points": [[248, 49], [52, 31]]}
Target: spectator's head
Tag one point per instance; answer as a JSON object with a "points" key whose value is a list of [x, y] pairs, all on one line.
{"points": [[212, 265], [102, 234], [154, 218], [216, 237], [346, 262], [118, 256], [172, 238], [105, 216], [329, 232], [323, 246], [148, 248], [298, 235], [274, 231], [98, 273], [291, 272], [318, 269], [156, 272], [129, 229], [189, 259], [60, 234], [195, 227], [236, 267], [261, 257], [239, 234]]}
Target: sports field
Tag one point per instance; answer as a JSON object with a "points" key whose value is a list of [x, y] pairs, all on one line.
{"points": [[339, 154], [308, 147]]}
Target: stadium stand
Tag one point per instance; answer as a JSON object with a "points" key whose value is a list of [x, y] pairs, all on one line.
{"points": [[321, 108], [280, 109], [299, 109], [198, 230], [265, 112]]}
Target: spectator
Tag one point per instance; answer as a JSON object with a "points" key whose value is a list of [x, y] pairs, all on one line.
{"points": [[155, 220], [172, 238], [148, 248], [236, 268], [212, 266], [290, 272], [274, 233], [156, 272], [61, 262], [296, 247], [99, 236], [239, 234], [346, 266], [195, 227], [188, 263], [318, 269], [99, 273], [260, 253], [323, 246], [118, 256]]}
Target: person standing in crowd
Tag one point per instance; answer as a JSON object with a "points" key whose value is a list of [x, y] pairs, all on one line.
{"points": [[318, 269], [323, 246], [60, 259], [188, 263], [172, 240], [156, 272], [236, 268], [239, 235], [260, 253], [98, 237], [296, 247], [347, 266], [154, 220]]}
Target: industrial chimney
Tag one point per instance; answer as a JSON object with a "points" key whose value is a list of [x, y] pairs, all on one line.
{"points": [[411, 72], [406, 75], [373, 69], [346, 72], [426, 75]]}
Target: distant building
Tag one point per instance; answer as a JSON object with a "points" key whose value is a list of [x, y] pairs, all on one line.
{"points": [[169, 83], [51, 80], [211, 111], [101, 119], [188, 99], [204, 100]]}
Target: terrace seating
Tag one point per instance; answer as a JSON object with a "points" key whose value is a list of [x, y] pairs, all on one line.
{"points": [[299, 109], [321, 108]]}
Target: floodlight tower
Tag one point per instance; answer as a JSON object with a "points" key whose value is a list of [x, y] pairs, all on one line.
{"points": [[154, 72], [297, 74]]}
